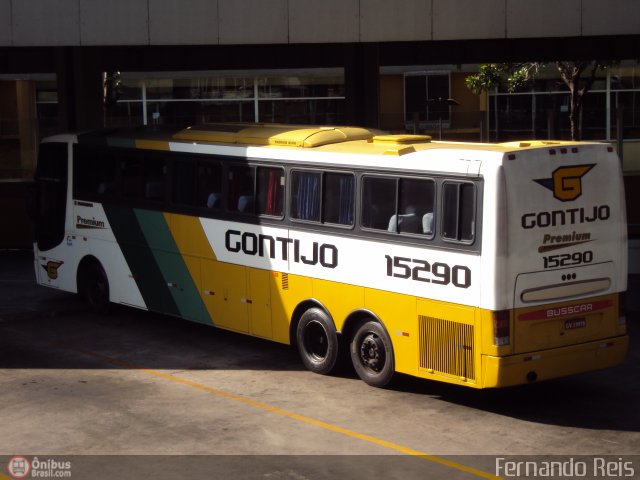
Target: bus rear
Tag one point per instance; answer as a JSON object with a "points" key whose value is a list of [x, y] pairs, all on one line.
{"points": [[564, 265]]}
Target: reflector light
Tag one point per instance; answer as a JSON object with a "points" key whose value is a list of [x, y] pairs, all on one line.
{"points": [[622, 308], [501, 328], [552, 151], [563, 150]]}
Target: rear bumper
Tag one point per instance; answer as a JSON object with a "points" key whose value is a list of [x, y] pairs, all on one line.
{"points": [[554, 363]]}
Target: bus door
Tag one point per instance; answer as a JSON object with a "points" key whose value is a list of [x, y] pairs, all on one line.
{"points": [[567, 245], [51, 203]]}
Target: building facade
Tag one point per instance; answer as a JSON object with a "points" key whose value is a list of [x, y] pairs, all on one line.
{"points": [[68, 65]]}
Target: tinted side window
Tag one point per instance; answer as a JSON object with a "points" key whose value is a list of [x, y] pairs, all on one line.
{"points": [[155, 176], [458, 212], [399, 205], [270, 191], [197, 184], [256, 190], [184, 180], [94, 172], [378, 202], [337, 198], [209, 185], [132, 177], [415, 207], [322, 197], [241, 189], [305, 195]]}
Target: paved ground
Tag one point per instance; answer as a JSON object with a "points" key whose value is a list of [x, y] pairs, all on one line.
{"points": [[134, 383]]}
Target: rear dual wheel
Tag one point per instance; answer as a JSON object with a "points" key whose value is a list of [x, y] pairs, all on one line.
{"points": [[317, 341], [372, 354], [370, 348]]}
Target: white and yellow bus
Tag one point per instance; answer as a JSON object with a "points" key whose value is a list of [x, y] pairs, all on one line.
{"points": [[484, 265]]}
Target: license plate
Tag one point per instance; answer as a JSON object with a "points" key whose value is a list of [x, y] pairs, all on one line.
{"points": [[574, 323]]}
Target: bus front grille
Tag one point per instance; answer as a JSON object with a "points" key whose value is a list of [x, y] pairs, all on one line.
{"points": [[446, 347]]}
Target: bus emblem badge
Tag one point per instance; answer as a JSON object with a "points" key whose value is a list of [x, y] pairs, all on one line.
{"points": [[566, 182], [52, 269]]}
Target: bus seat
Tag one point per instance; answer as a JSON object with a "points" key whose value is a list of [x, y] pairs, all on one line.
{"points": [[407, 222], [393, 223], [427, 223], [213, 199], [105, 188], [245, 203]]}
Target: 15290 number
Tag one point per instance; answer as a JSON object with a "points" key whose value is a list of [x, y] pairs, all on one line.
{"points": [[568, 259], [422, 271]]}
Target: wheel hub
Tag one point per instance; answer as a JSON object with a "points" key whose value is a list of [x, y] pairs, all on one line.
{"points": [[372, 352], [316, 340]]}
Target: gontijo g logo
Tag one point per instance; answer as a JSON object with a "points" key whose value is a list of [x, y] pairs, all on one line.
{"points": [[566, 182]]}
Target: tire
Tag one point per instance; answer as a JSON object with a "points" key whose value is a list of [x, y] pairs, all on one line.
{"points": [[317, 341], [372, 354], [95, 287]]}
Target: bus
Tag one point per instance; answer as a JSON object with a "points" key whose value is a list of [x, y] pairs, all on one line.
{"points": [[482, 265]]}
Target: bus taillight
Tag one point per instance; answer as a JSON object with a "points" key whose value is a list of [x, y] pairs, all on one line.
{"points": [[501, 330], [622, 308]]}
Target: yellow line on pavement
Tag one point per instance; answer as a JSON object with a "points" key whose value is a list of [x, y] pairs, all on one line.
{"points": [[292, 415]]}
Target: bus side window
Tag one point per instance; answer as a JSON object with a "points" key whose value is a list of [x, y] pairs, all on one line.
{"points": [[305, 195], [270, 191], [241, 189], [416, 205], [155, 175], [325, 197], [337, 198], [132, 178], [458, 218], [209, 185], [399, 205], [378, 202], [184, 175], [94, 172]]}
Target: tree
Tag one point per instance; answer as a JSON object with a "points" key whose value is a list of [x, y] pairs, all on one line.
{"points": [[577, 76]]}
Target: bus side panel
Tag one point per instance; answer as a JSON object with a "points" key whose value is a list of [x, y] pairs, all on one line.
{"points": [[161, 273], [93, 229], [339, 298], [398, 313]]}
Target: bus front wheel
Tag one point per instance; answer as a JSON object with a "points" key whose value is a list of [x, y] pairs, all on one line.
{"points": [[317, 341], [372, 354], [95, 286]]}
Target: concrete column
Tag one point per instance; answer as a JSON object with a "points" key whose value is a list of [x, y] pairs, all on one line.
{"points": [[80, 89], [362, 84], [27, 123]]}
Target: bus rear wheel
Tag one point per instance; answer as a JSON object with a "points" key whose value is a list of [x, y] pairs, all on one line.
{"points": [[372, 354], [317, 341], [95, 287]]}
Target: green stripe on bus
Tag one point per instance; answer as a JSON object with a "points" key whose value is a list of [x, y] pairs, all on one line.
{"points": [[176, 275], [121, 142], [142, 263]]}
